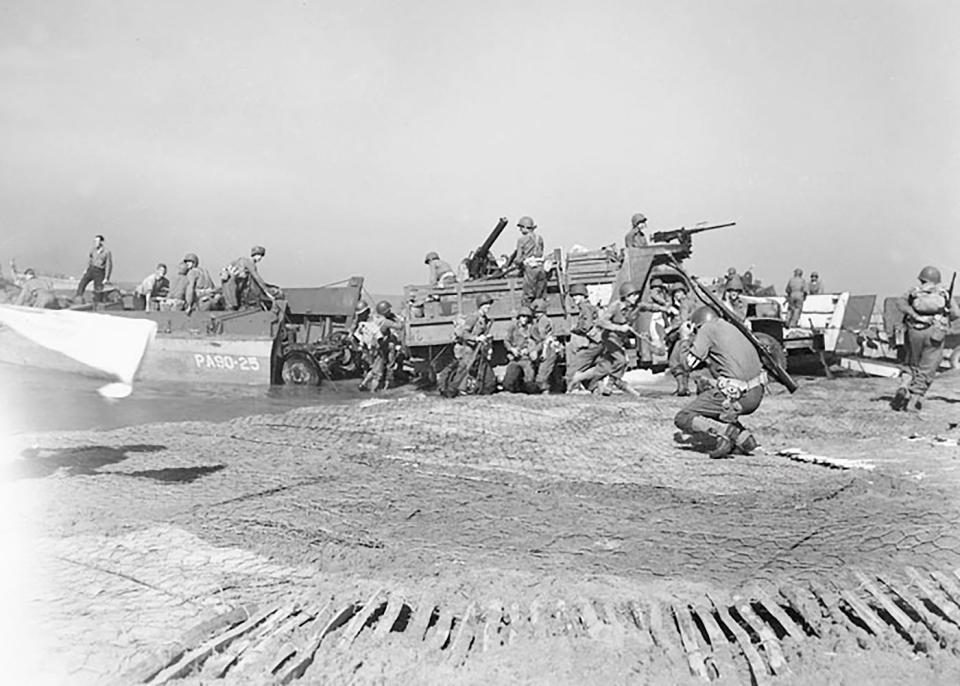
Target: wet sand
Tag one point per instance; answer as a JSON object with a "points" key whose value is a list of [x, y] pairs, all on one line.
{"points": [[536, 539]]}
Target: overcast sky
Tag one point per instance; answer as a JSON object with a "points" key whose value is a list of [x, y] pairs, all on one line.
{"points": [[353, 137]]}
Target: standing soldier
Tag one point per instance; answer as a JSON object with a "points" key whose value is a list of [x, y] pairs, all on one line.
{"points": [[796, 294], [381, 342], [441, 273], [927, 310], [529, 255], [99, 269], [739, 386], [547, 342], [585, 344], [678, 337], [816, 285], [635, 237], [522, 349], [243, 283], [732, 297]]}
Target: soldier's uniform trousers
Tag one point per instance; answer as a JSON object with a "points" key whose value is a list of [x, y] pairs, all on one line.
{"points": [[794, 309], [924, 354], [518, 375], [582, 353], [534, 284], [714, 404]]}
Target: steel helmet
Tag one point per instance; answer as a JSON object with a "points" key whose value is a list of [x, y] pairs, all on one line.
{"points": [[539, 305], [191, 257], [931, 274], [526, 222], [577, 289], [258, 250], [430, 256], [638, 218], [702, 315], [484, 299], [731, 271], [814, 275], [525, 311], [628, 288], [384, 306], [656, 283], [362, 306], [798, 272]]}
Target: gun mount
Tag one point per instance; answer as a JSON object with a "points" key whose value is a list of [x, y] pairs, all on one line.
{"points": [[480, 264], [682, 235]]}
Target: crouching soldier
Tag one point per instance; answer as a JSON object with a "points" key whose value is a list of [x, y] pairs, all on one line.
{"points": [[738, 388], [470, 372], [927, 311], [520, 375], [380, 339], [548, 347]]}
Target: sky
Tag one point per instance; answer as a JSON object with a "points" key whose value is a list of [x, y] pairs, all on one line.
{"points": [[354, 137]]}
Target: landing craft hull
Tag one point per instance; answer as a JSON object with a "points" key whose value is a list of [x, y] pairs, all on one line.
{"points": [[174, 355]]}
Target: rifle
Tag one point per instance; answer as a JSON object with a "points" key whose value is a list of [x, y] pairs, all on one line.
{"points": [[683, 233], [953, 282], [479, 264], [707, 297]]}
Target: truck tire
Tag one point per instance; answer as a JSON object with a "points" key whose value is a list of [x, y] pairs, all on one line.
{"points": [[299, 369], [772, 346]]}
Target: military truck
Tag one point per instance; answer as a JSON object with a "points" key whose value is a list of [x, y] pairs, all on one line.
{"points": [[431, 312]]}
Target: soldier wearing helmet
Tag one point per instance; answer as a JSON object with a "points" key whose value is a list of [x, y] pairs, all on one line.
{"points": [[796, 293], [523, 352], [529, 257], [470, 371], [441, 273], [585, 343], [380, 339], [242, 283], [928, 308], [635, 237], [737, 391], [677, 336], [547, 343], [732, 297]]}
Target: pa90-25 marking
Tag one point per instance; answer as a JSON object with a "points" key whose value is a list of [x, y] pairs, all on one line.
{"points": [[243, 363]]}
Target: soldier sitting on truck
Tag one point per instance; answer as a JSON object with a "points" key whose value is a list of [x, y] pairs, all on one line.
{"points": [[523, 351], [380, 340], [242, 283], [529, 257], [441, 273]]}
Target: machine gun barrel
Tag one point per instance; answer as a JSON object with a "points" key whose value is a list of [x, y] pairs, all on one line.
{"points": [[683, 232], [477, 267]]}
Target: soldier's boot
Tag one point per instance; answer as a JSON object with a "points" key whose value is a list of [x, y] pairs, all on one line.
{"points": [[915, 403], [723, 448], [900, 399], [683, 385], [603, 388], [743, 440]]}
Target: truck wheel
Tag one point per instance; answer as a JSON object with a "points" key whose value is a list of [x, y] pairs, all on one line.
{"points": [[772, 346], [299, 369]]}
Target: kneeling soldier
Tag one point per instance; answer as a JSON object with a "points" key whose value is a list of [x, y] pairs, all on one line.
{"points": [[522, 348], [739, 383]]}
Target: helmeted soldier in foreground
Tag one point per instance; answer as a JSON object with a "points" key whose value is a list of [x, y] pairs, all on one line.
{"points": [[523, 350], [380, 343], [928, 309], [738, 388]]}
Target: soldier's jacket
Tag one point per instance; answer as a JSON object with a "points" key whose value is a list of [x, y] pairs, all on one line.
{"points": [[586, 319], [520, 338], [472, 327], [796, 288], [529, 245], [932, 301], [441, 271], [615, 314]]}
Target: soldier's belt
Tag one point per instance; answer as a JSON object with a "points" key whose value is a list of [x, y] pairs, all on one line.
{"points": [[735, 388]]}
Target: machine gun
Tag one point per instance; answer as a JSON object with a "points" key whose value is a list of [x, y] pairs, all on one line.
{"points": [[709, 298], [480, 264], [683, 235]]}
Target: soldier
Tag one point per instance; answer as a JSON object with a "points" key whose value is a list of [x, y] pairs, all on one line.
{"points": [[380, 339], [99, 269], [738, 389], [816, 285], [154, 286], [585, 343], [199, 292], [730, 275], [678, 338], [529, 255], [547, 342], [635, 237], [927, 311], [441, 273], [796, 293], [242, 283], [470, 370], [522, 348], [33, 293], [732, 297]]}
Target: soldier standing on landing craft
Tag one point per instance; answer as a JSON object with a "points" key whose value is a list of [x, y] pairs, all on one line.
{"points": [[928, 309]]}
